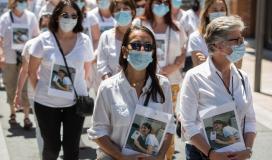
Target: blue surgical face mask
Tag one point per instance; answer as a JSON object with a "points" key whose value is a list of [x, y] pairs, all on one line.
{"points": [[238, 51], [80, 4], [104, 4], [139, 60], [140, 11], [160, 10], [44, 29], [176, 3], [21, 6], [214, 15], [67, 24], [123, 18]]}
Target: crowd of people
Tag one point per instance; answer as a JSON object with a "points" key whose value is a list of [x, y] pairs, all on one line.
{"points": [[130, 52]]}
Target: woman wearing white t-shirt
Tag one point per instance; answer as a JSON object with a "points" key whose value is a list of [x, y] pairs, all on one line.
{"points": [[109, 46], [170, 39], [196, 45], [16, 27], [100, 19], [65, 26]]}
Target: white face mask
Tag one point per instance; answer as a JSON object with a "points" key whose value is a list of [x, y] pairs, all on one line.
{"points": [[214, 15], [67, 24]]}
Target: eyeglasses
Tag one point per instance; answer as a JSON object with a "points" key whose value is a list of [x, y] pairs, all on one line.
{"points": [[238, 41], [138, 45], [66, 15]]}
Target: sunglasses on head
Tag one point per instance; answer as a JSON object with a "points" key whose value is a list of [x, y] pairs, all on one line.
{"points": [[66, 15], [138, 45]]}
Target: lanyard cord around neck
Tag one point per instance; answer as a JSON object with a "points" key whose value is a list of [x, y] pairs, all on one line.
{"points": [[229, 92]]}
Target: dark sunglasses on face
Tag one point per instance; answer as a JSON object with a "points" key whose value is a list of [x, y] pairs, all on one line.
{"points": [[161, 2], [138, 45], [21, 1], [66, 15], [238, 41]]}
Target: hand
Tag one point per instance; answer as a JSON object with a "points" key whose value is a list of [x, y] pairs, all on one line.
{"points": [[17, 101], [200, 58], [241, 155], [168, 69], [136, 142], [220, 156]]}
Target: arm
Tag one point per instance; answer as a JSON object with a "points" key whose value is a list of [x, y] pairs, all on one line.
{"points": [[23, 74], [2, 58], [95, 32], [87, 69], [33, 67]]}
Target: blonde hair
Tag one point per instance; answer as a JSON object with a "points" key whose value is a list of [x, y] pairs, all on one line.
{"points": [[204, 19], [11, 4]]}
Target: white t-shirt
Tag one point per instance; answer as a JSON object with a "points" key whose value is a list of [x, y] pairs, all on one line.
{"points": [[152, 141], [197, 43], [45, 47], [28, 19], [108, 52], [104, 23], [178, 40], [230, 131]]}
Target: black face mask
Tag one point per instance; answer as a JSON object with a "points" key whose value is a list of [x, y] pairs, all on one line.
{"points": [[195, 6]]}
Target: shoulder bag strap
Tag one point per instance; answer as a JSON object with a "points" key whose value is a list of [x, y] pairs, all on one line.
{"points": [[11, 17], [244, 86], [148, 94], [66, 65]]}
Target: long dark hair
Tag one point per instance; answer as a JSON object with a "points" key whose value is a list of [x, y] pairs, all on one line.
{"points": [[149, 15], [151, 68], [53, 23]]}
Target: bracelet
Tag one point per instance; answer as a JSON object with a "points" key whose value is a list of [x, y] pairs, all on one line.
{"points": [[250, 151], [209, 152]]}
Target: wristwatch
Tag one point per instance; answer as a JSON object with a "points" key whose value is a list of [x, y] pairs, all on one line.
{"points": [[250, 151]]}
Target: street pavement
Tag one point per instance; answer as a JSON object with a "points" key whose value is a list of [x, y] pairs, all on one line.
{"points": [[19, 144]]}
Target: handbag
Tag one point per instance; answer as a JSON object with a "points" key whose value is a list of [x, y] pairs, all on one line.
{"points": [[84, 104]]}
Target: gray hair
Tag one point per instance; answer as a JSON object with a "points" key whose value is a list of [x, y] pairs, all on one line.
{"points": [[218, 29]]}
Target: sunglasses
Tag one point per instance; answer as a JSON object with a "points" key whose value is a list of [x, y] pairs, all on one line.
{"points": [[21, 1], [66, 15], [138, 45]]}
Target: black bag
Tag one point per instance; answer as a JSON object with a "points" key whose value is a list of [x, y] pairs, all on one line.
{"points": [[84, 104]]}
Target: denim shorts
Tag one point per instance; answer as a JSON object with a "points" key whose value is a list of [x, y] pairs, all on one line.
{"points": [[192, 153]]}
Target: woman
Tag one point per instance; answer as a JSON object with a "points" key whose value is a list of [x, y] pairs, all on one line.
{"points": [[109, 46], [140, 8], [100, 20], [216, 82], [17, 18], [171, 40], [177, 12], [118, 96], [65, 27], [196, 44]]}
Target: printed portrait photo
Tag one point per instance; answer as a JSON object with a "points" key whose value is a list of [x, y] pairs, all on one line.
{"points": [[222, 130], [160, 49], [145, 135], [20, 35], [60, 84]]}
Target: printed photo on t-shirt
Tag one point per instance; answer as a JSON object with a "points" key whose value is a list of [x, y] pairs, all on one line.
{"points": [[20, 35], [60, 84], [161, 49]]}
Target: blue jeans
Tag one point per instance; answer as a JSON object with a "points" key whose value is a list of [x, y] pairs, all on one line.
{"points": [[192, 153]]}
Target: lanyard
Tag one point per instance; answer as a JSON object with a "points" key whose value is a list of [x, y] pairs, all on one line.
{"points": [[229, 92]]}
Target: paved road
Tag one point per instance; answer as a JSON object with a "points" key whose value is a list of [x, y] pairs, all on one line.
{"points": [[18, 144]]}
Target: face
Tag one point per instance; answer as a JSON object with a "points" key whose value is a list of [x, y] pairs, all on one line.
{"points": [[217, 6], [140, 41], [68, 12], [61, 74], [234, 38], [140, 4], [45, 21], [121, 7], [144, 130], [217, 126]]}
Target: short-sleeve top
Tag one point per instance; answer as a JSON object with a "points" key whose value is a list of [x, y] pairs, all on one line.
{"points": [[46, 48]]}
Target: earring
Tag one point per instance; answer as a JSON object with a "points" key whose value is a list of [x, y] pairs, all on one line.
{"points": [[125, 57]]}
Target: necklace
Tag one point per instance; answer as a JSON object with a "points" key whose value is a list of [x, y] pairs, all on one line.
{"points": [[134, 84]]}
